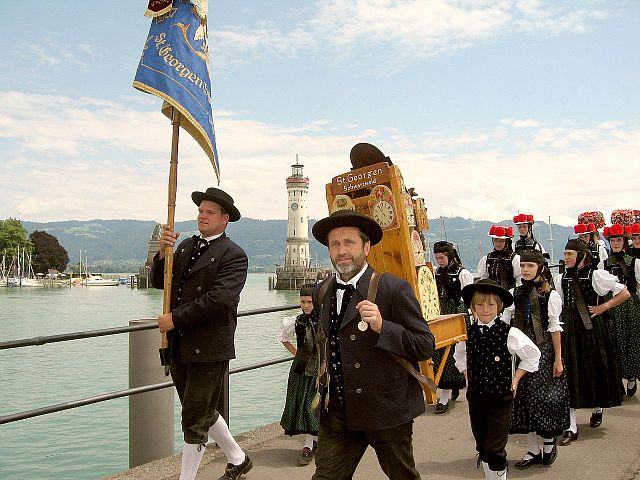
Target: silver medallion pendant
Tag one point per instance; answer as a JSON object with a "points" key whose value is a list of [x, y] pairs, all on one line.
{"points": [[362, 325]]}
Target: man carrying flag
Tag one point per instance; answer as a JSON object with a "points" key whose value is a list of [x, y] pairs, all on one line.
{"points": [[210, 271], [200, 310]]}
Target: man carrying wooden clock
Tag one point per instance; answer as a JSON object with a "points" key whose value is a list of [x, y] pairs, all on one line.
{"points": [[367, 396]]}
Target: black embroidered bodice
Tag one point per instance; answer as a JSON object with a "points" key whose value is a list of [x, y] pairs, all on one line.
{"points": [[500, 268], [489, 363], [448, 282]]}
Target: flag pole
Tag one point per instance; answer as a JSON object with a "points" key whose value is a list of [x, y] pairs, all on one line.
{"points": [[171, 212]]}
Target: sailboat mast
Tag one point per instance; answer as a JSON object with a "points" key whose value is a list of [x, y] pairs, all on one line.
{"points": [[551, 241]]}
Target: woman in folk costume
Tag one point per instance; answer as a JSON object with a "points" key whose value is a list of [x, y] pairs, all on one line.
{"points": [[298, 417], [634, 248], [524, 224], [541, 408], [588, 351], [502, 264], [625, 317], [588, 233], [451, 278]]}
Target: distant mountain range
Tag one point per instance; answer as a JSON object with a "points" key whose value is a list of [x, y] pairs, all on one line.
{"points": [[121, 245]]}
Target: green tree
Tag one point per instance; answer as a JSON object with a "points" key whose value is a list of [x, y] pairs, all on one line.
{"points": [[12, 235], [47, 253]]}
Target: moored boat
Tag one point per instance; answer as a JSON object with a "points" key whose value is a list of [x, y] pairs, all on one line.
{"points": [[93, 280]]}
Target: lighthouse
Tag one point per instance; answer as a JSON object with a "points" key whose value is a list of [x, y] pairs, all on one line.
{"points": [[297, 244], [297, 269]]}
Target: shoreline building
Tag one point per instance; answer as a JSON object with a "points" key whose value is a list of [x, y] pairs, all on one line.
{"points": [[297, 269]]}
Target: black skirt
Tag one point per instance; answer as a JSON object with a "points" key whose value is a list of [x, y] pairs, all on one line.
{"points": [[541, 404]]}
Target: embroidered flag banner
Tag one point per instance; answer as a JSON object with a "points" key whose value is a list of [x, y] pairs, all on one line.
{"points": [[175, 67]]}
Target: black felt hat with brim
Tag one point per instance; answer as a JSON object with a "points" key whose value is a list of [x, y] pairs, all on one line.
{"points": [[487, 286], [347, 218], [220, 197]]}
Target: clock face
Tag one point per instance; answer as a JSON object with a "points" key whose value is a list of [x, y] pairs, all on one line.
{"points": [[383, 213], [294, 206], [429, 301]]}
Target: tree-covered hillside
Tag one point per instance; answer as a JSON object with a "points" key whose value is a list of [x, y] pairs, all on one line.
{"points": [[121, 245]]}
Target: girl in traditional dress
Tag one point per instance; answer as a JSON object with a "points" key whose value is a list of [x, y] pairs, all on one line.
{"points": [[625, 318], [634, 249], [587, 349], [541, 408], [298, 417], [524, 224], [451, 278], [502, 264], [588, 233]]}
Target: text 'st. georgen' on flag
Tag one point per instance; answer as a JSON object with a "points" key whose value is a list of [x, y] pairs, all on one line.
{"points": [[175, 66]]}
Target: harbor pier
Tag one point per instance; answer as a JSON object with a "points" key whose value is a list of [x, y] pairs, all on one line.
{"points": [[443, 448]]}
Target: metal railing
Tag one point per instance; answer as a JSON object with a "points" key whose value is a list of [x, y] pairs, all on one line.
{"points": [[43, 340]]}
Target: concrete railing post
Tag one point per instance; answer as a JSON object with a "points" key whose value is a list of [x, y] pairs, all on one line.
{"points": [[151, 421]]}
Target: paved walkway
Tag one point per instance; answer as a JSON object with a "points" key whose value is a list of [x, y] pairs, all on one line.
{"points": [[444, 449]]}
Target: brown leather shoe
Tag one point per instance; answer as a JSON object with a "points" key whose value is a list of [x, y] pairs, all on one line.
{"points": [[567, 437], [305, 457]]}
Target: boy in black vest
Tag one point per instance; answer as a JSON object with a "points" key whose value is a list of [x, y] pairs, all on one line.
{"points": [[486, 359]]}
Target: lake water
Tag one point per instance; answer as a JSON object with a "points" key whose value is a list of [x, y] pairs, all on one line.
{"points": [[92, 441]]}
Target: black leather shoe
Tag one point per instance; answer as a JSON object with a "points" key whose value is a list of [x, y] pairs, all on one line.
{"points": [[455, 393], [596, 419], [567, 437], [549, 458], [233, 472], [526, 463], [632, 391], [440, 408]]}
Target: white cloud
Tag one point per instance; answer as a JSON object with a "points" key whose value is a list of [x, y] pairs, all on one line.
{"points": [[65, 158], [411, 29]]}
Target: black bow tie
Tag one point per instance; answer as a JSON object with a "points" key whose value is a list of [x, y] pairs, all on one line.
{"points": [[483, 328], [344, 286], [200, 241]]}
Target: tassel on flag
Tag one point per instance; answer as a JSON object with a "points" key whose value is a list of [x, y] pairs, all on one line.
{"points": [[157, 8]]}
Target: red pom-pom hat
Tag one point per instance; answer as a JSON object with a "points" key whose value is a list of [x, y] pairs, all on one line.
{"points": [[498, 231], [615, 230], [583, 228], [523, 218]]}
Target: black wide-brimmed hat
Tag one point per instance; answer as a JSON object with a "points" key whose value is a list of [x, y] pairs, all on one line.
{"points": [[486, 286], [347, 218], [365, 154], [220, 197]]}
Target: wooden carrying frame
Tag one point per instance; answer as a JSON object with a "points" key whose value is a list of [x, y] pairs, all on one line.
{"points": [[395, 252]]}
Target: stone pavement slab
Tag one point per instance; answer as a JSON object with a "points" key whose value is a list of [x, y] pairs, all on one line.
{"points": [[443, 448]]}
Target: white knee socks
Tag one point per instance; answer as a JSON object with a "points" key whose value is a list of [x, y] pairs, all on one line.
{"points": [[308, 441], [534, 445], [219, 431], [492, 474], [445, 396], [573, 423], [191, 457]]}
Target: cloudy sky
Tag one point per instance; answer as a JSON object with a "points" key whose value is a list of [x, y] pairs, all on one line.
{"points": [[489, 107]]}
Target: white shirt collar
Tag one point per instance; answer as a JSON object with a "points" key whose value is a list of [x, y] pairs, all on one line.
{"points": [[208, 239], [354, 280], [490, 324]]}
